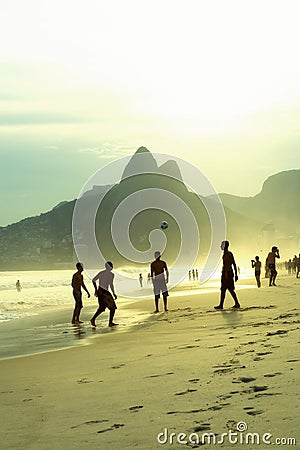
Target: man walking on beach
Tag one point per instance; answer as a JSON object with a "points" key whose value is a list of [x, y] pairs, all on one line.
{"points": [[271, 265], [160, 278], [105, 299], [77, 284], [228, 276]]}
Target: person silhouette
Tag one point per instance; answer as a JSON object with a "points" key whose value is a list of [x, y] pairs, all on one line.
{"points": [[298, 266], [256, 265], [105, 299], [271, 264], [78, 283], [18, 286], [228, 276], [160, 278], [141, 280], [289, 267]]}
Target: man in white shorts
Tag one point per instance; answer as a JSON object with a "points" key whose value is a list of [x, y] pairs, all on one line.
{"points": [[160, 278]]}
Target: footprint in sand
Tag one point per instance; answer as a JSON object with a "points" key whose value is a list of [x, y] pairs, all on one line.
{"points": [[277, 332], [118, 367], [225, 396], [259, 388], [135, 408], [159, 375], [215, 407], [115, 426], [255, 412], [267, 394], [263, 353], [191, 411], [194, 380], [179, 347], [246, 379], [185, 392], [202, 427], [84, 381], [270, 375], [90, 422]]}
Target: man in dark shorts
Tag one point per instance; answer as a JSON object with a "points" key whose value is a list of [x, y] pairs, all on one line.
{"points": [[105, 299], [158, 270], [77, 284], [228, 276], [271, 264], [256, 265]]}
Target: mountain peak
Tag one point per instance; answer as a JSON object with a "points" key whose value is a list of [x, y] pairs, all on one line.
{"points": [[141, 162], [142, 150]]}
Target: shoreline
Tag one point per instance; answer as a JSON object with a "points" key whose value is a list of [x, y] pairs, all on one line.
{"points": [[48, 330]]}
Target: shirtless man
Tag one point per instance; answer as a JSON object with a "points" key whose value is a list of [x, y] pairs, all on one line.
{"points": [[271, 265], [77, 284], [256, 265], [228, 276], [160, 276], [105, 299]]}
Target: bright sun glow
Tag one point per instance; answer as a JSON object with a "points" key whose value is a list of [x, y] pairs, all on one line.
{"points": [[209, 80]]}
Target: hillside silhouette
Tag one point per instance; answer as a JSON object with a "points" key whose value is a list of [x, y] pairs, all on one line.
{"points": [[45, 241]]}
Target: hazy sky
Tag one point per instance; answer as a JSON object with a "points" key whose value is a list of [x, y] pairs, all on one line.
{"points": [[216, 82]]}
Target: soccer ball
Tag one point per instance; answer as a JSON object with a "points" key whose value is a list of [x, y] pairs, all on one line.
{"points": [[164, 225]]}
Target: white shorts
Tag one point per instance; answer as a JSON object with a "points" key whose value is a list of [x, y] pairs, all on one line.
{"points": [[159, 285]]}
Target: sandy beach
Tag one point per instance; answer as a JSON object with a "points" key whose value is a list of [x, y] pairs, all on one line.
{"points": [[190, 371]]}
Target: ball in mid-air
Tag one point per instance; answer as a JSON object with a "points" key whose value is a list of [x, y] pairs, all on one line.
{"points": [[164, 225]]}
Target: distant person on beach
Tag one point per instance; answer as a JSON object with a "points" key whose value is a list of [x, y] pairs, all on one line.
{"points": [[18, 286], [256, 265], [141, 280], [289, 266], [294, 264], [160, 278], [229, 275], [271, 264], [77, 284], [298, 266], [105, 298]]}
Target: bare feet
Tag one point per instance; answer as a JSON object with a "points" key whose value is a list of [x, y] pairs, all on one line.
{"points": [[93, 323], [113, 324], [218, 307]]}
